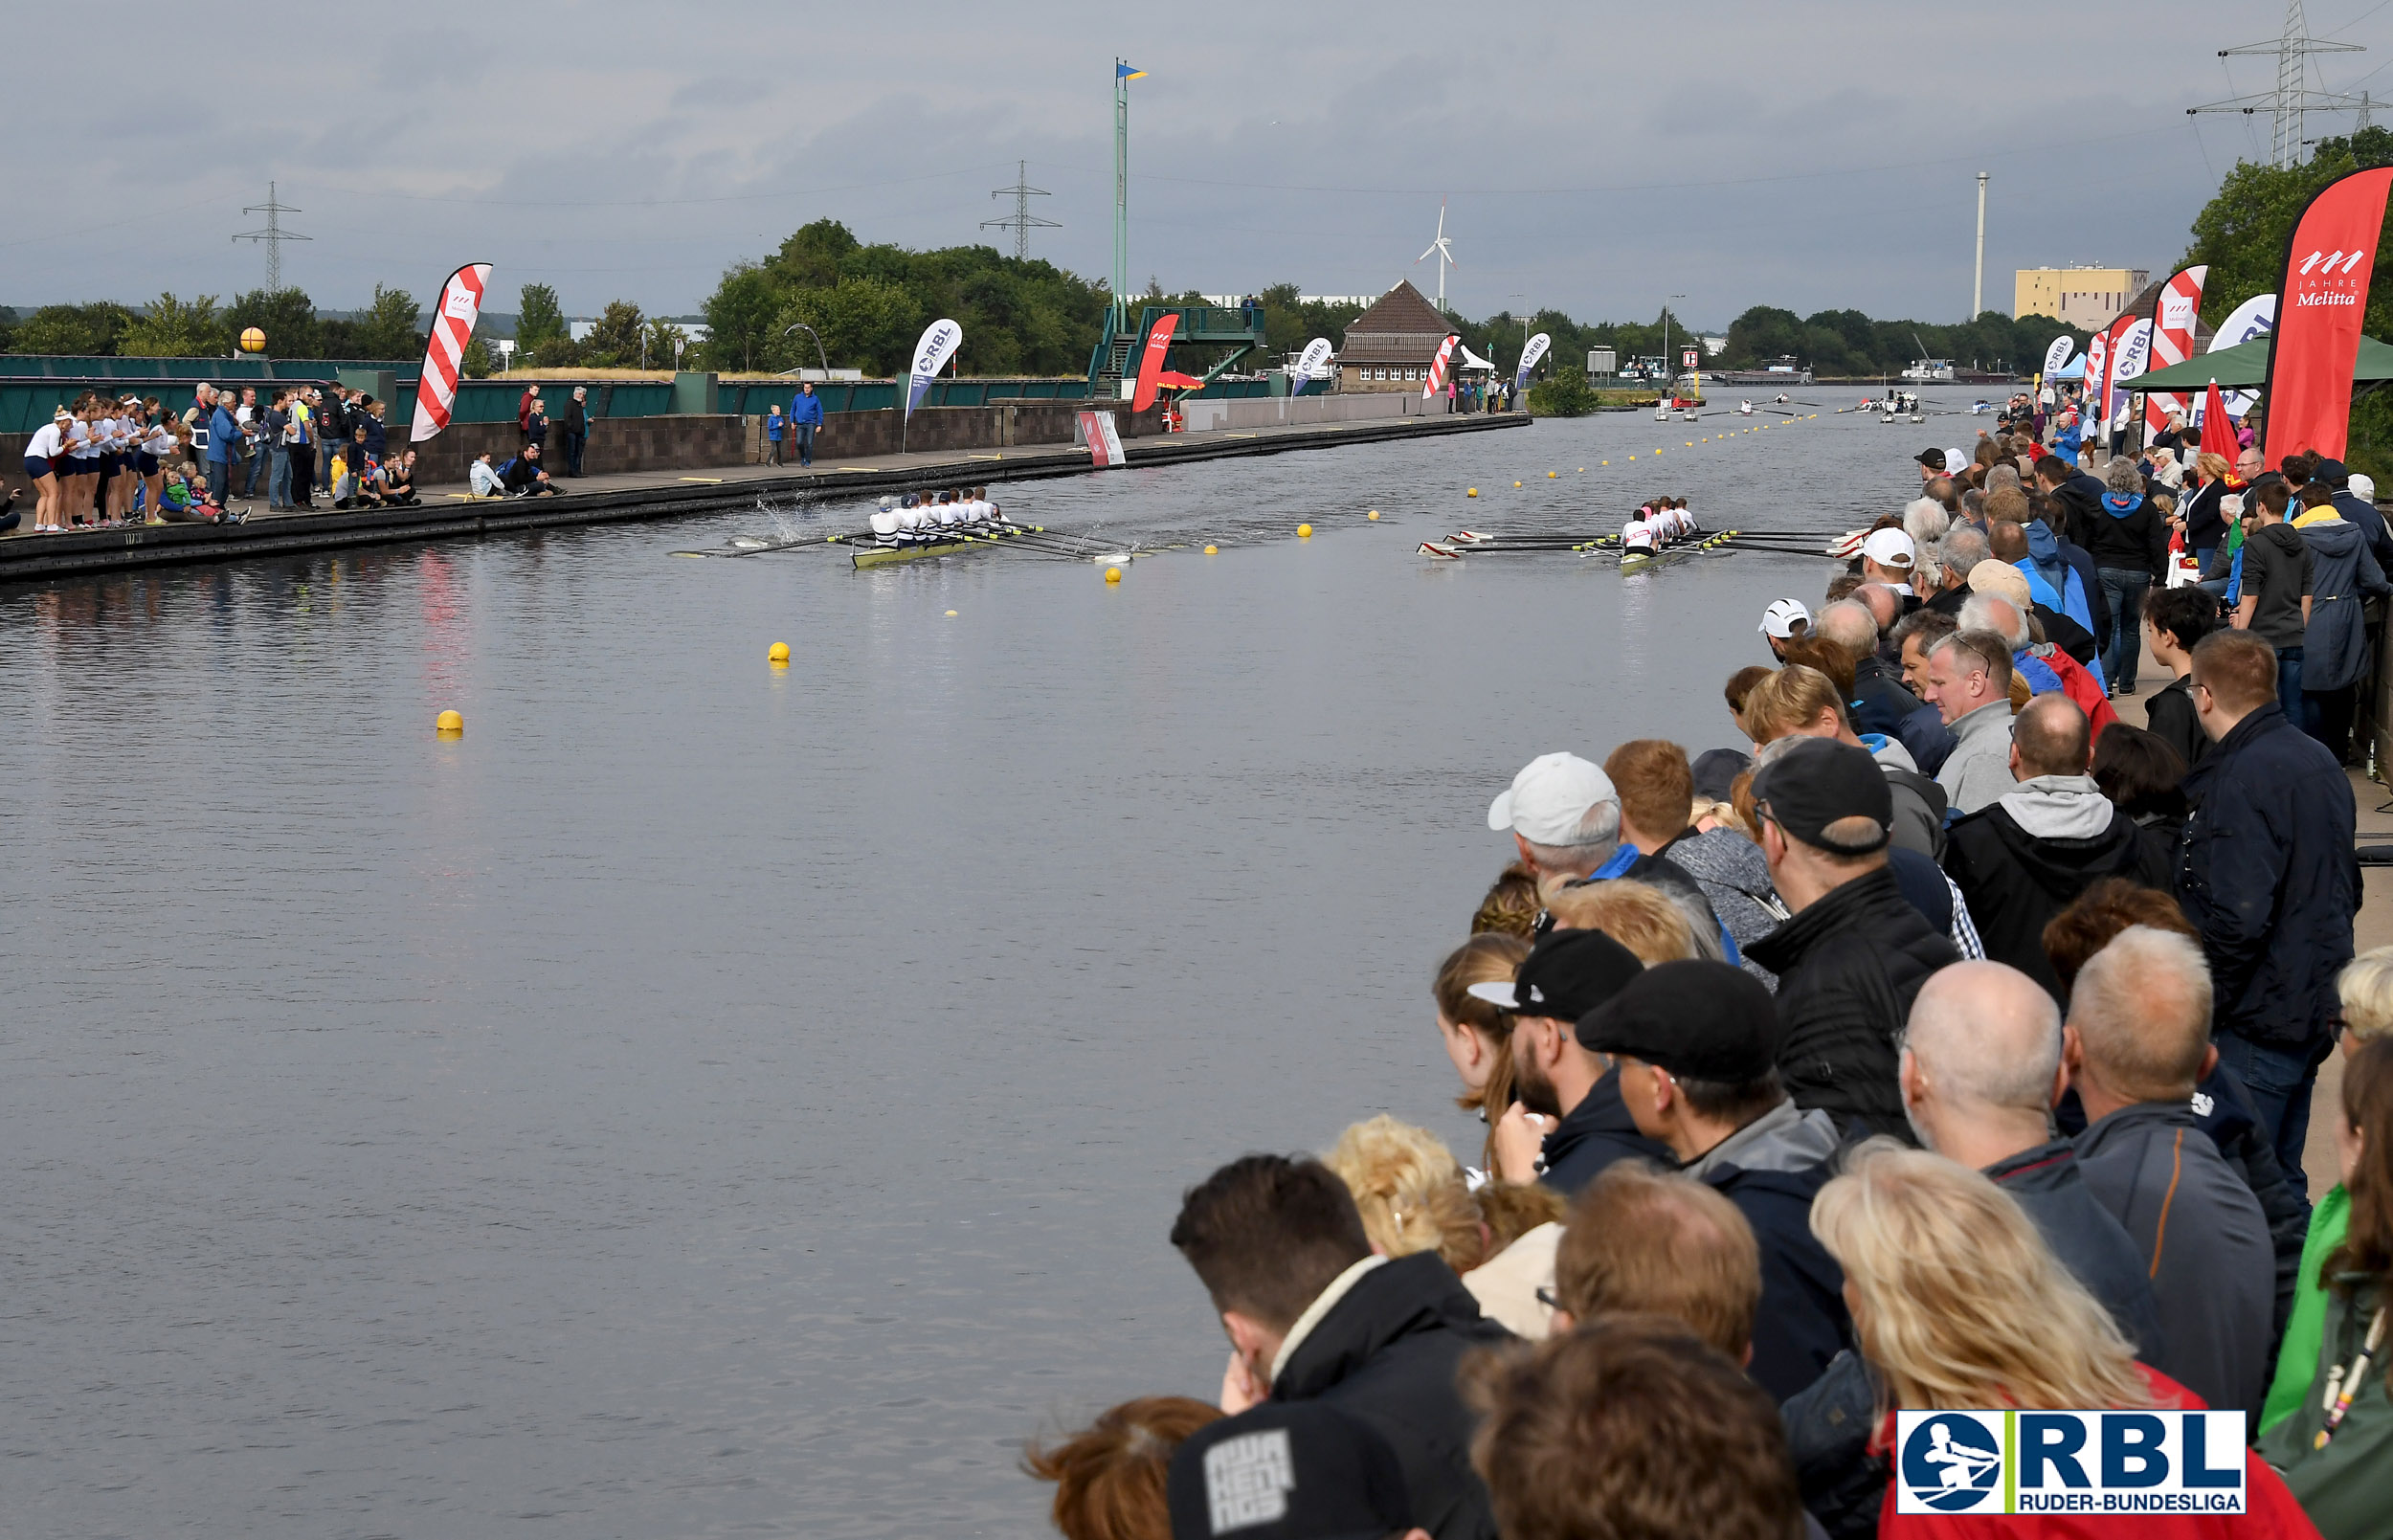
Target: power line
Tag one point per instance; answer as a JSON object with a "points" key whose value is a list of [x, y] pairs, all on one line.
{"points": [[2292, 98], [273, 235], [1023, 221]]}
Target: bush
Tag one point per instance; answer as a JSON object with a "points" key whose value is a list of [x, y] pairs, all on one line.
{"points": [[1566, 395]]}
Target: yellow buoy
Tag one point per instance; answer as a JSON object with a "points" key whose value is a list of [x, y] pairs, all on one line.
{"points": [[1114, 574], [777, 653], [1373, 514], [950, 611], [447, 723], [1582, 470], [1303, 531], [1213, 550], [1516, 483], [1551, 475], [1472, 493]]}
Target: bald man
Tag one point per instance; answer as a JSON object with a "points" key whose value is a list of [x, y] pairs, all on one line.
{"points": [[1980, 1073]]}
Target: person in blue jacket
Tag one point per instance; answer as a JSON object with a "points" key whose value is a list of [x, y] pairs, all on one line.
{"points": [[805, 416], [224, 440], [773, 435]]}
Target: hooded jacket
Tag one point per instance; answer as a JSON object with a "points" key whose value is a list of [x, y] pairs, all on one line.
{"points": [[2203, 1240], [2049, 556], [2362, 515], [2071, 679], [2024, 859], [1592, 1135], [2081, 502], [1848, 969], [2089, 1242], [1920, 803], [2128, 534], [1772, 1169], [2335, 646], [1387, 1354], [2269, 875], [1978, 770], [1735, 879], [2277, 574]]}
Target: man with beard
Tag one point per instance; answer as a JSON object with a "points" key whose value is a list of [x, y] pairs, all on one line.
{"points": [[1562, 1091]]}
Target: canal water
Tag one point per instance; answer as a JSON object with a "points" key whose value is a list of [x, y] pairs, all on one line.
{"points": [[707, 1098]]}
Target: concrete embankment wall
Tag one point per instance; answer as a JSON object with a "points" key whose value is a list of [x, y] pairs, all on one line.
{"points": [[1287, 410]]}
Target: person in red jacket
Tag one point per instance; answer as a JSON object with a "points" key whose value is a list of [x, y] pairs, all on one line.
{"points": [[1959, 1305], [2035, 661]]}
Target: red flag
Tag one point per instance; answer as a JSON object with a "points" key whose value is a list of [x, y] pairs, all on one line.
{"points": [[1151, 364], [2217, 429], [2319, 304], [444, 350]]}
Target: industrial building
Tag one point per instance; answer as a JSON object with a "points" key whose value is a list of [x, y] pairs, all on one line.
{"points": [[2078, 296]]}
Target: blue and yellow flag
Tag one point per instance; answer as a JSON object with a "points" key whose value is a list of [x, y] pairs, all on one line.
{"points": [[1122, 71]]}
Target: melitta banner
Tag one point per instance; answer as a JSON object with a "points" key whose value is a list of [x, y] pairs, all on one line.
{"points": [[2056, 356], [1151, 362], [2319, 304], [1316, 353], [940, 341], [444, 350], [1530, 356], [2172, 343], [1439, 365], [2254, 317]]}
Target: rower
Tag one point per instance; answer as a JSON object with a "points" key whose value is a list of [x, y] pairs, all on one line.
{"points": [[884, 522], [1637, 534]]}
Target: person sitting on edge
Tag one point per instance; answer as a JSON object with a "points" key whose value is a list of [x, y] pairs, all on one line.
{"points": [[1565, 1123], [2053, 834], [1697, 1046], [1969, 683], [484, 477], [398, 480], [523, 478], [1564, 816], [2138, 1040], [1641, 1243], [1313, 1315], [1855, 953]]}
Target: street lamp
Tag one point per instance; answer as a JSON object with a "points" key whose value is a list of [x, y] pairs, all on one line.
{"points": [[1670, 370], [819, 356]]}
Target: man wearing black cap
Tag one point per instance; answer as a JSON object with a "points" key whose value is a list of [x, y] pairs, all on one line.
{"points": [[1566, 1123], [1697, 1046], [1931, 464], [1853, 956], [2357, 511]]}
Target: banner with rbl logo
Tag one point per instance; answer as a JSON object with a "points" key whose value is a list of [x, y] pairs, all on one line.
{"points": [[2160, 1461]]}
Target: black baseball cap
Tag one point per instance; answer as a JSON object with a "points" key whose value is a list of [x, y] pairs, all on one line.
{"points": [[1815, 782], [1716, 770], [1932, 457], [2331, 472], [1288, 1470], [1704, 1019], [1565, 975]]}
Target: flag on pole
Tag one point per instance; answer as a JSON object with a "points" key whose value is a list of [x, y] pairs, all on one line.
{"points": [[1122, 71], [444, 350], [939, 342], [1439, 365], [2217, 429]]}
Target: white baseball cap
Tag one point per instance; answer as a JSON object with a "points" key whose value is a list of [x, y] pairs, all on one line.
{"points": [[1954, 463], [1783, 616], [1890, 547], [1549, 797]]}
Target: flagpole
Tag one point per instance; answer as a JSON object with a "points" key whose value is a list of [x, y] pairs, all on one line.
{"points": [[1121, 192]]}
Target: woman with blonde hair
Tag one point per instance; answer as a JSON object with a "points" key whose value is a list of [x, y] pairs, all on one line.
{"points": [[1636, 915], [1958, 1304]]}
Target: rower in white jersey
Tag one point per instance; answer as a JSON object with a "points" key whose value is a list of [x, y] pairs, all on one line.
{"points": [[1638, 533]]}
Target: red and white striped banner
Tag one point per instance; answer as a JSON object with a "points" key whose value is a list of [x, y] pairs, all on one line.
{"points": [[444, 350], [2172, 343], [1437, 370]]}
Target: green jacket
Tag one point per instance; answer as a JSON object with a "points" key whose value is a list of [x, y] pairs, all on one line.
{"points": [[2347, 1488], [2298, 1356]]}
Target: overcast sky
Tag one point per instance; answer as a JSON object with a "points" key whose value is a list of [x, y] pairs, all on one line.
{"points": [[1596, 157]]}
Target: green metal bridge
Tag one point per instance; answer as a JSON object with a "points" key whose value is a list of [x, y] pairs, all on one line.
{"points": [[1201, 325]]}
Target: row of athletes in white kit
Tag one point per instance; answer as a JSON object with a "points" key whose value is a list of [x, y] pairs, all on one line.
{"points": [[964, 507], [1658, 524]]}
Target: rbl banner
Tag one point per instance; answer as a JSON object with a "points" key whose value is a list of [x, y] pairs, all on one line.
{"points": [[2319, 304], [1987, 1462]]}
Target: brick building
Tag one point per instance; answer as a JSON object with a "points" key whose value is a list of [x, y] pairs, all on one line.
{"points": [[1390, 345]]}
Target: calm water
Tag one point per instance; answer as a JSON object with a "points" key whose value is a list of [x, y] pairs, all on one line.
{"points": [[706, 1100]]}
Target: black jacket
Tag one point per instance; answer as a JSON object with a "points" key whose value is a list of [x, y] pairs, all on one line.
{"points": [[518, 474], [2089, 1242], [2206, 526], [1829, 1428], [576, 416], [1803, 1323], [2170, 716], [2081, 505], [2016, 883], [2363, 513], [2137, 541], [2068, 635], [1594, 1134], [2223, 1108], [1848, 969], [2268, 877], [2278, 565], [1880, 703], [1387, 1354]]}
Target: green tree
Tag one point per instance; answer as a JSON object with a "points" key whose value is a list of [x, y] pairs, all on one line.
{"points": [[286, 316], [739, 318], [75, 331], [664, 344], [388, 330], [539, 320], [864, 323], [614, 342], [174, 328], [475, 359], [1563, 394]]}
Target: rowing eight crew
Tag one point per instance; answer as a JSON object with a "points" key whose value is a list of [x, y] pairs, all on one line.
{"points": [[1662, 521], [913, 520]]}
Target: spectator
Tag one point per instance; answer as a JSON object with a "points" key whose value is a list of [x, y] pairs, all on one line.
{"points": [[773, 433], [224, 449], [1313, 1315], [1409, 1190], [1958, 553], [1111, 1476], [523, 478], [398, 482], [1523, 1225], [2145, 779], [2039, 845], [2129, 541], [1282, 1471], [2358, 510], [2268, 877], [1782, 622], [1643, 1243], [1478, 1035], [1697, 1049], [1887, 556], [1877, 700], [1969, 683], [245, 418], [1657, 791], [1981, 1073], [1911, 637], [805, 417], [1960, 1305], [1566, 1121], [1801, 702], [2278, 581], [577, 429], [2174, 621], [301, 445], [332, 427], [2005, 581], [1511, 904], [536, 427], [370, 416], [524, 407], [275, 428], [2138, 1037], [1564, 814], [2046, 669], [1638, 917], [1852, 958], [2201, 517], [484, 477], [2335, 644]]}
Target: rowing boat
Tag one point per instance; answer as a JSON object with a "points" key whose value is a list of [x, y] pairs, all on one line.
{"points": [[889, 555], [1642, 560]]}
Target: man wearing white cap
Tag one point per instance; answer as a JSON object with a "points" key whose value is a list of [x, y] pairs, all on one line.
{"points": [[1887, 556], [1564, 816], [1782, 622]]}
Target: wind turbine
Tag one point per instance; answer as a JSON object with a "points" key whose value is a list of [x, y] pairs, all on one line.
{"points": [[1444, 252]]}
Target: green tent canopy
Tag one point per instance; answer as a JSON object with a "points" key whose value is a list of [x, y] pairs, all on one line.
{"points": [[2244, 366]]}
